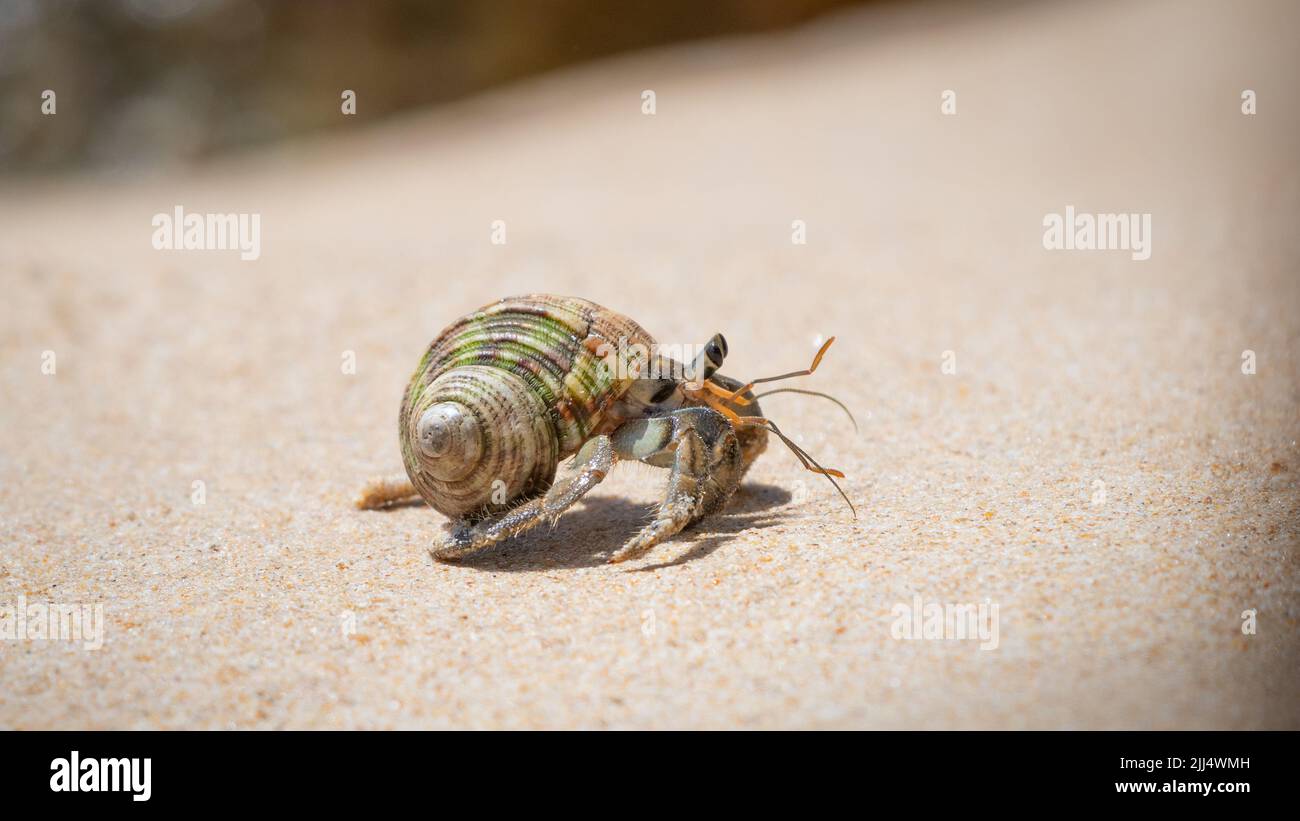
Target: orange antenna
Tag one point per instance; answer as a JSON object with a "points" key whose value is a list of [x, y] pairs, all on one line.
{"points": [[843, 407], [816, 361], [803, 456]]}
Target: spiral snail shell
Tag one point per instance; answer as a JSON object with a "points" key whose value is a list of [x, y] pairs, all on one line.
{"points": [[506, 392]]}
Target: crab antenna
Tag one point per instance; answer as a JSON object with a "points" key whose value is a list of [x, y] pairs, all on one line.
{"points": [[823, 471], [816, 361], [804, 457], [847, 412]]}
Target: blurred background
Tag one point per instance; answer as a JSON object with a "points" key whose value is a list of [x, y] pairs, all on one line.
{"points": [[161, 82]]}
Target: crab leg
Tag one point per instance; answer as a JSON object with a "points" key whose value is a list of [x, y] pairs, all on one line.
{"points": [[596, 460]]}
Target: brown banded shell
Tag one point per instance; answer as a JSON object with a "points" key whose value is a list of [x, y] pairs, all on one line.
{"points": [[506, 392]]}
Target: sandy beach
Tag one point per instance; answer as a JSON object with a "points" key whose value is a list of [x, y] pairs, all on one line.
{"points": [[1098, 448]]}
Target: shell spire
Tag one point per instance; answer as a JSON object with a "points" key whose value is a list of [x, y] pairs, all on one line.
{"points": [[450, 440]]}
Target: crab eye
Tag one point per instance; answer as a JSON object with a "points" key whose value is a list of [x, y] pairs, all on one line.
{"points": [[715, 350]]}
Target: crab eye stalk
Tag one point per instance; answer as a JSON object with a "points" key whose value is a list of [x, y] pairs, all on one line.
{"points": [[710, 358], [718, 348]]}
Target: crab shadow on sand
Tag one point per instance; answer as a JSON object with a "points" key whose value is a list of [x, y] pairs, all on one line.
{"points": [[589, 533]]}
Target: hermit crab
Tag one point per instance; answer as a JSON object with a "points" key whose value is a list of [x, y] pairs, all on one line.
{"points": [[506, 393]]}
